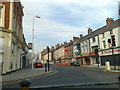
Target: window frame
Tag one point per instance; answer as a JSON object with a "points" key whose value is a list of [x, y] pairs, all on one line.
{"points": [[2, 15]]}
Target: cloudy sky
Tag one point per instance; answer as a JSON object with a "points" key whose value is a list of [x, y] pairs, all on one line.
{"points": [[60, 20]]}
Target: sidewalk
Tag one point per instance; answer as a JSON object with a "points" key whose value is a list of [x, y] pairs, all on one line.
{"points": [[25, 74], [104, 68]]}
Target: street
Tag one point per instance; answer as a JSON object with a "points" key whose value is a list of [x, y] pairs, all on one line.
{"points": [[72, 75]]}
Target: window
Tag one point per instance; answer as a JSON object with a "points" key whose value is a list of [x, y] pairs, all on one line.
{"points": [[104, 46], [1, 44], [93, 39], [103, 35], [111, 31], [0, 15]]}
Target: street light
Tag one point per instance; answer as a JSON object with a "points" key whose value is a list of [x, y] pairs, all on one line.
{"points": [[33, 40]]}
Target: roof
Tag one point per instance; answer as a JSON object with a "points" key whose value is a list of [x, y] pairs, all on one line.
{"points": [[101, 30], [76, 42], [69, 43]]}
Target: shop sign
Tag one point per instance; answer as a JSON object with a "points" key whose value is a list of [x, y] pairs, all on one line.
{"points": [[85, 54], [93, 54]]}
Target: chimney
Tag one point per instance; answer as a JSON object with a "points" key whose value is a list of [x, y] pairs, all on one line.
{"points": [[89, 30], [70, 40], [109, 20], [61, 44], [75, 38], [65, 42], [52, 47], [58, 45], [81, 35]]}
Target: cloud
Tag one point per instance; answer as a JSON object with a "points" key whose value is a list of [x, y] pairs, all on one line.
{"points": [[62, 19], [51, 29]]}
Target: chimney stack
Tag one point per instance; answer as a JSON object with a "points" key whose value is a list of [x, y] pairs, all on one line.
{"points": [[56, 46], [65, 42], [89, 30], [61, 44], [52, 48], [75, 38], [109, 20], [70, 40], [81, 36]]}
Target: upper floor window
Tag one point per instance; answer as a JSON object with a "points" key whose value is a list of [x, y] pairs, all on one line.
{"points": [[111, 32], [93, 39], [104, 45], [103, 35], [0, 15]]}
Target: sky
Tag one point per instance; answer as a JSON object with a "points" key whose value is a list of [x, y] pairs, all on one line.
{"points": [[60, 20]]}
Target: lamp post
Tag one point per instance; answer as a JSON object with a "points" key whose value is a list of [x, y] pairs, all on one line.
{"points": [[33, 40]]}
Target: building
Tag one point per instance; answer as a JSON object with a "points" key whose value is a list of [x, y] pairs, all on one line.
{"points": [[14, 47], [96, 48], [111, 28], [68, 51], [77, 50], [44, 56], [57, 51]]}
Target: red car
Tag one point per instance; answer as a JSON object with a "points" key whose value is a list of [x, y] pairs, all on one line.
{"points": [[38, 65]]}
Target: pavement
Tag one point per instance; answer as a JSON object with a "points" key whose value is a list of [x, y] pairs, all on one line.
{"points": [[26, 73], [104, 68]]}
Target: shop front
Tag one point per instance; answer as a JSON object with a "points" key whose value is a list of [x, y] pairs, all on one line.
{"points": [[86, 59], [94, 58]]}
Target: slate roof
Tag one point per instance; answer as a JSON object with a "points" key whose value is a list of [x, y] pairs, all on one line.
{"points": [[101, 30]]}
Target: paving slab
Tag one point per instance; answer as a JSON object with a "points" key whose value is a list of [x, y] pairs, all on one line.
{"points": [[24, 74]]}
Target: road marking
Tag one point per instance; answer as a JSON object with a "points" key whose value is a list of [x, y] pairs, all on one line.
{"points": [[30, 78]]}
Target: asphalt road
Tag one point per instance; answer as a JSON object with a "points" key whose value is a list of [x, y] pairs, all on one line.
{"points": [[68, 75]]}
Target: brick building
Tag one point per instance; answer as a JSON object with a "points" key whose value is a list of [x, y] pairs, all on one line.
{"points": [[14, 46]]}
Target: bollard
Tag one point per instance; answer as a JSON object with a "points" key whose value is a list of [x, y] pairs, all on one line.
{"points": [[25, 84], [107, 65]]}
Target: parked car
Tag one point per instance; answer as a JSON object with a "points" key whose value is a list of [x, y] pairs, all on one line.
{"points": [[74, 63], [38, 65]]}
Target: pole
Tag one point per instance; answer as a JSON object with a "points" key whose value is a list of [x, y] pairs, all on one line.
{"points": [[99, 61], [33, 41], [33, 44], [48, 57], [45, 67], [113, 59]]}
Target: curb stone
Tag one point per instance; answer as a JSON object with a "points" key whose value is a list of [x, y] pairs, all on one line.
{"points": [[111, 71], [75, 85]]}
